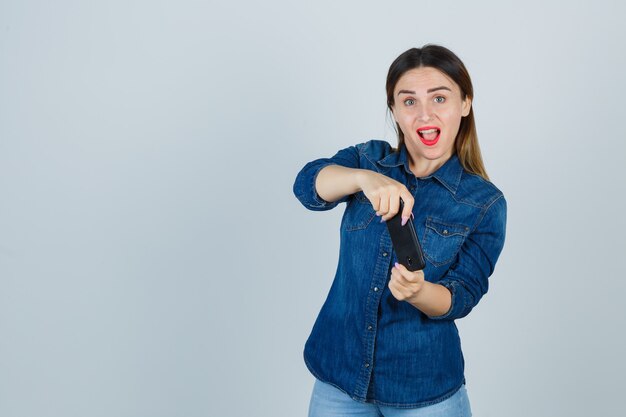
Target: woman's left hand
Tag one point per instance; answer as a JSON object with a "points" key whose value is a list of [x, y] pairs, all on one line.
{"points": [[404, 284]]}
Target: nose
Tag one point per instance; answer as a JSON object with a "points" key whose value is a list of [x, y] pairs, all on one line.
{"points": [[424, 112]]}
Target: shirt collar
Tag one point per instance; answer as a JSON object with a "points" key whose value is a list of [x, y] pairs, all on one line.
{"points": [[396, 159], [449, 174]]}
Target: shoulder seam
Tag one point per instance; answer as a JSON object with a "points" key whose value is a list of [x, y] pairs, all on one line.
{"points": [[491, 197], [365, 155], [485, 210]]}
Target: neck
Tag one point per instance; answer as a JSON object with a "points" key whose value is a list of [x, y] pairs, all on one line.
{"points": [[422, 167]]}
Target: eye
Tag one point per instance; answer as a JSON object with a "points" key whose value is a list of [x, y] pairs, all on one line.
{"points": [[409, 102], [440, 99]]}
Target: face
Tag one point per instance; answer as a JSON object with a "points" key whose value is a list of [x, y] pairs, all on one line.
{"points": [[428, 107]]}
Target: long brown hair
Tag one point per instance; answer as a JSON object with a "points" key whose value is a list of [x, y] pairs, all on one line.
{"points": [[438, 57]]}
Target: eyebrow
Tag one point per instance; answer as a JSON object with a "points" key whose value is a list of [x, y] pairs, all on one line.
{"points": [[430, 90]]}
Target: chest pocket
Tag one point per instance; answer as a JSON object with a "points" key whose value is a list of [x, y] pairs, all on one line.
{"points": [[359, 213], [442, 241]]}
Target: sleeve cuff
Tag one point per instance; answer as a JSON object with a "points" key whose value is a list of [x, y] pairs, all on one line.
{"points": [[305, 190], [458, 305]]}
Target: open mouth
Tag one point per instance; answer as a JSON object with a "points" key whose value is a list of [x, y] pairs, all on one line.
{"points": [[429, 135]]}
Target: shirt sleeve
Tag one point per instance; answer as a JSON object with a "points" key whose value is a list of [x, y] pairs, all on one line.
{"points": [[467, 280], [304, 186]]}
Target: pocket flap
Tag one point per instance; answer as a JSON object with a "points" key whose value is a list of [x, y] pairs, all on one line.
{"points": [[446, 229]]}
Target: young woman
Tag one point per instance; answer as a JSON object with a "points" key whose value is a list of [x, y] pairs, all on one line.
{"points": [[385, 341]]}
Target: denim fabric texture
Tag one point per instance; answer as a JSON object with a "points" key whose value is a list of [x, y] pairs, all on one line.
{"points": [[364, 341]]}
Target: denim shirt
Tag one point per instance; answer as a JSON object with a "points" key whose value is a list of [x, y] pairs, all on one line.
{"points": [[364, 341]]}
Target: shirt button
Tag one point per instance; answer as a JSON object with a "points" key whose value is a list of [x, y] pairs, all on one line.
{"points": [[385, 254], [367, 365], [375, 289], [445, 232], [369, 327]]}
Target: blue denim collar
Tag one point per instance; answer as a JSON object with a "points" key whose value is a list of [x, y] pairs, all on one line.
{"points": [[449, 174]]}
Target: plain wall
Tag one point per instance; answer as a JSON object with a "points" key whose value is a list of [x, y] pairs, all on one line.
{"points": [[154, 261]]}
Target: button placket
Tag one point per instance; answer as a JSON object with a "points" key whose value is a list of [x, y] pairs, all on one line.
{"points": [[379, 279]]}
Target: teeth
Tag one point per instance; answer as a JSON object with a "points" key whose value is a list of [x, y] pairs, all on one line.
{"points": [[428, 131]]}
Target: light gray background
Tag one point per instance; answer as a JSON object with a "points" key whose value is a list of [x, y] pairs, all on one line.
{"points": [[154, 262]]}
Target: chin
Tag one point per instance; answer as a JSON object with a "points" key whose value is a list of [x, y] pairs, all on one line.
{"points": [[428, 152], [435, 157]]}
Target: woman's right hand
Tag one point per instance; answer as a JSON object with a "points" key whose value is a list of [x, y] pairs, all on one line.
{"points": [[384, 193]]}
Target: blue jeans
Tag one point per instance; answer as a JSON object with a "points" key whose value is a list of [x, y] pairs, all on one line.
{"points": [[328, 401]]}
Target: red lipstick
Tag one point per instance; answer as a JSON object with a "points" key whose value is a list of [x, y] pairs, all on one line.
{"points": [[429, 135]]}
